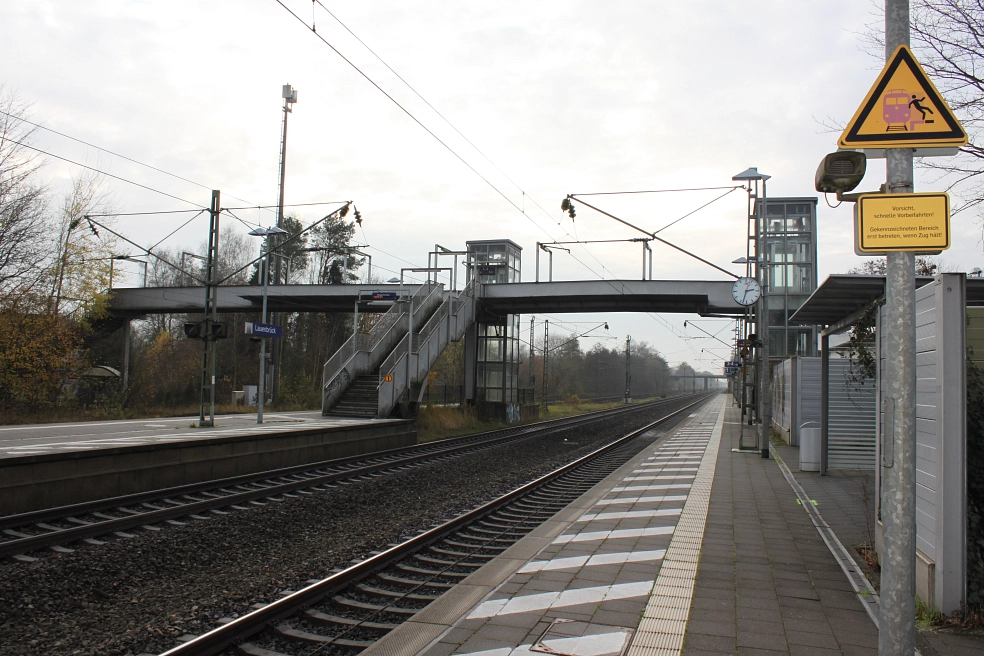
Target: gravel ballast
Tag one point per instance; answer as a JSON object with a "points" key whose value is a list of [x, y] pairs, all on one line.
{"points": [[138, 595]]}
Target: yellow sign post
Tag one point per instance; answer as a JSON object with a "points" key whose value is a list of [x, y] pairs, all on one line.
{"points": [[888, 223], [903, 110]]}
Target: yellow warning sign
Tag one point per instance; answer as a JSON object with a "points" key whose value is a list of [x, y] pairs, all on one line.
{"points": [[903, 222], [903, 110]]}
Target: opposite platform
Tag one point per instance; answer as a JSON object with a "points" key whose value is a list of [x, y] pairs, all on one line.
{"points": [[59, 464]]}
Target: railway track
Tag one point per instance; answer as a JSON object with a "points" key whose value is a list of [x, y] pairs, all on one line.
{"points": [[61, 529], [353, 608]]}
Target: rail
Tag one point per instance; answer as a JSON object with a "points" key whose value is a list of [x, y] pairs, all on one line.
{"points": [[35, 530], [242, 628]]}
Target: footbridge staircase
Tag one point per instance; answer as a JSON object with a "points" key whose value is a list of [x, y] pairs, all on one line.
{"points": [[373, 373]]}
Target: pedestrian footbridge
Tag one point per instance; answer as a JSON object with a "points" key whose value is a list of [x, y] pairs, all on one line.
{"points": [[370, 374]]}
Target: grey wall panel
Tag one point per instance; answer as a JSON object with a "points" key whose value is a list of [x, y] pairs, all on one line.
{"points": [[940, 435], [851, 419]]}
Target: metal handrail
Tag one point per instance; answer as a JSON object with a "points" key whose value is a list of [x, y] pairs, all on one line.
{"points": [[394, 363]]}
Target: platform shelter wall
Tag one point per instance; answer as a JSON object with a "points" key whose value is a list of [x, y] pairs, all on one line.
{"points": [[941, 396]]}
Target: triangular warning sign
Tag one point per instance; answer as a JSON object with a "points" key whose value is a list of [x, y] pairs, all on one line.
{"points": [[903, 110]]}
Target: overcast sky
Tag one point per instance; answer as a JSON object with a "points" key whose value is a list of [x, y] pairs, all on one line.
{"points": [[563, 97]]}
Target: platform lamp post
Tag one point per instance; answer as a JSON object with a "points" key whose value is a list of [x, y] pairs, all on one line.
{"points": [[265, 266], [755, 180]]}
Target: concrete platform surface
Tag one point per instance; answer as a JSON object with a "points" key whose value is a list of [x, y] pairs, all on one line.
{"points": [[38, 439]]}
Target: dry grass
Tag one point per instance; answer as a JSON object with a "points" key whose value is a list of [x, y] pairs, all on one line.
{"points": [[439, 422]]}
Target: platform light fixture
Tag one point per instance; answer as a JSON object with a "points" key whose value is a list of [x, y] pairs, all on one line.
{"points": [[752, 176]]}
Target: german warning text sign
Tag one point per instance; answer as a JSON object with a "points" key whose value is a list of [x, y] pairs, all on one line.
{"points": [[903, 110], [903, 222]]}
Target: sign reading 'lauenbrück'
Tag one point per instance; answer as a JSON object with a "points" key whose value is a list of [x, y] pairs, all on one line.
{"points": [[263, 329]]}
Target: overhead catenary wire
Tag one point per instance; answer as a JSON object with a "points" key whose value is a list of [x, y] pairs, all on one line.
{"points": [[437, 138], [115, 154], [108, 175], [659, 191], [448, 147], [170, 234]]}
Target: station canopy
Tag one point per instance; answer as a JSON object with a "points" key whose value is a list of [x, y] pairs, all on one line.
{"points": [[842, 298]]}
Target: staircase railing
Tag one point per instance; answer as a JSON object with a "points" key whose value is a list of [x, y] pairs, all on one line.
{"points": [[361, 352], [401, 370]]}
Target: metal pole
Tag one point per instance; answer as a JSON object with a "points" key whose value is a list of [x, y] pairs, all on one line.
{"points": [[532, 364], [765, 397], [628, 378], [261, 395], [211, 315], [409, 347], [537, 261], [546, 333], [126, 355], [897, 625], [278, 263], [550, 253], [824, 400], [355, 321]]}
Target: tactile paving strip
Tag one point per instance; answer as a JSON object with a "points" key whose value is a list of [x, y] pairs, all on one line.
{"points": [[664, 621]]}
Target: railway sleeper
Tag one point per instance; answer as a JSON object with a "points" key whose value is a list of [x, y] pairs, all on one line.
{"points": [[511, 526], [431, 572], [318, 617], [482, 543], [288, 631], [346, 602], [399, 580], [486, 540], [393, 594], [460, 554], [249, 649], [494, 531], [458, 562]]}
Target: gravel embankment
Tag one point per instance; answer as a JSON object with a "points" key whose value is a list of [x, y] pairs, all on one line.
{"points": [[137, 595]]}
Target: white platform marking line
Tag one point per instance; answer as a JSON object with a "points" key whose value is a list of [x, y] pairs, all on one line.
{"points": [[547, 600], [590, 536], [643, 499], [664, 622], [630, 514], [573, 562], [653, 488]]}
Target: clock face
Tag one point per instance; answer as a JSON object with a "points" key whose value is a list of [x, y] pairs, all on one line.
{"points": [[746, 291]]}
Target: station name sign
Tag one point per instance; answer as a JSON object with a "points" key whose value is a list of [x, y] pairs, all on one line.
{"points": [[263, 329], [887, 223]]}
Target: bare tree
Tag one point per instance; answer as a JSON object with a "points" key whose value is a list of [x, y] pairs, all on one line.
{"points": [[926, 265], [80, 275], [25, 246], [949, 38]]}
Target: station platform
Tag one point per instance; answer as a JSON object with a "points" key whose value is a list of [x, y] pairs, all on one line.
{"points": [[50, 465], [688, 548], [37, 439]]}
